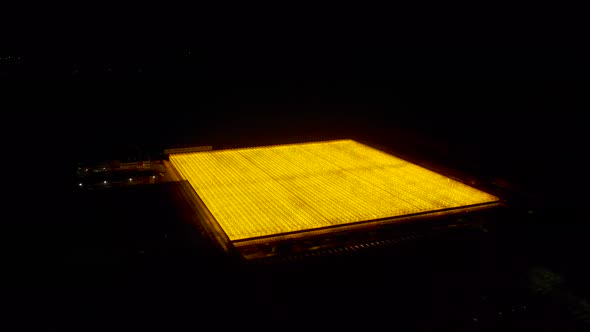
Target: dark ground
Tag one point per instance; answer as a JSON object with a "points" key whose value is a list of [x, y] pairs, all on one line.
{"points": [[123, 260]]}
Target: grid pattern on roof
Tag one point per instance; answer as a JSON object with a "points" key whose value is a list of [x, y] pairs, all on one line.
{"points": [[265, 191]]}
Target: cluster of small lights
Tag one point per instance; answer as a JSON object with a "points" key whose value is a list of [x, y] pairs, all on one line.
{"points": [[271, 190], [9, 59]]}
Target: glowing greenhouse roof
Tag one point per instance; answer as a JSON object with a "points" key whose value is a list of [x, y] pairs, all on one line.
{"points": [[271, 190]]}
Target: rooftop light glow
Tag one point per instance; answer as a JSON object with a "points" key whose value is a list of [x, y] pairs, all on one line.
{"points": [[271, 190]]}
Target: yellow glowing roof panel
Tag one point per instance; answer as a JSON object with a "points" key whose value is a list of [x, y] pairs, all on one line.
{"points": [[264, 191]]}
